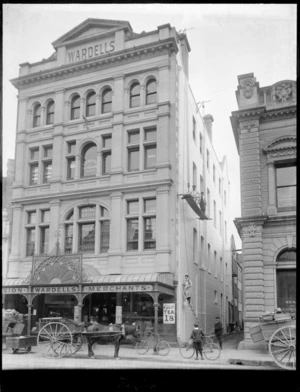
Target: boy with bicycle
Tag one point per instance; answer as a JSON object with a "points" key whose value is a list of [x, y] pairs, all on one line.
{"points": [[197, 335]]}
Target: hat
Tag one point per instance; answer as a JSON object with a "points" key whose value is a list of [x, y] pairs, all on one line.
{"points": [[186, 275], [196, 325]]}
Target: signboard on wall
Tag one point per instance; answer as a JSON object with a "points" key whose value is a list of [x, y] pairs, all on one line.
{"points": [[118, 314], [169, 313]]}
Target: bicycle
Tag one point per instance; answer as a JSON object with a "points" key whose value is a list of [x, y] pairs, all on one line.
{"points": [[158, 344], [210, 350]]}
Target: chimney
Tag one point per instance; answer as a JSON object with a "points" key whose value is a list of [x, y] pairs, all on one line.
{"points": [[208, 120]]}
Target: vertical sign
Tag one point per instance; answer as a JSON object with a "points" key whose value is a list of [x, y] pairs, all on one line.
{"points": [[118, 314], [169, 313]]}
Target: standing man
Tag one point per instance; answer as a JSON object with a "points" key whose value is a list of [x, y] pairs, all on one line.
{"points": [[197, 335], [187, 284], [219, 331]]}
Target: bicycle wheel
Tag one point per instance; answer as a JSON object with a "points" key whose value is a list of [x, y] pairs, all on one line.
{"points": [[208, 340], [142, 347], [211, 351], [186, 350], [163, 347]]}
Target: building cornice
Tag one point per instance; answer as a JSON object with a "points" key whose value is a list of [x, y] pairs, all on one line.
{"points": [[85, 66]]}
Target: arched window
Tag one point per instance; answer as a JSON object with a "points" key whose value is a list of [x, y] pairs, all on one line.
{"points": [[89, 161], [151, 91], [286, 281], [37, 115], [50, 113], [135, 95], [75, 107], [91, 104], [106, 101]]}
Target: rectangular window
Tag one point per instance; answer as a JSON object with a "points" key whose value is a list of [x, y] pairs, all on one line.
{"points": [[106, 141], [215, 214], [286, 186], [202, 252], [47, 172], [34, 174], [149, 233], [132, 234], [194, 174], [45, 216], [220, 186], [48, 152], [70, 168], [106, 162], [68, 238], [215, 267], [71, 147], [225, 201], [87, 238], [133, 159], [134, 137], [215, 297], [207, 159], [150, 157], [194, 128], [225, 232], [208, 258], [44, 248], [221, 269], [34, 154], [220, 222], [30, 245], [31, 218], [149, 205], [150, 135], [201, 143], [104, 236], [133, 207]]}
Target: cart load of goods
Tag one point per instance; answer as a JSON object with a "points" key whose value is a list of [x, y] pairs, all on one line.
{"points": [[12, 322]]}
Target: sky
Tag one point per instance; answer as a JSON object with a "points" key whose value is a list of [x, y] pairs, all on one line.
{"points": [[226, 40]]}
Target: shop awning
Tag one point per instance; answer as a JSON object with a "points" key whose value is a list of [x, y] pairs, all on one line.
{"points": [[8, 282], [164, 278]]}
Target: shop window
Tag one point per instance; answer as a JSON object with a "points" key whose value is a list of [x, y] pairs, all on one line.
{"points": [[134, 95], [90, 109], [71, 161], [286, 281], [106, 105], [37, 115], [50, 113], [89, 161], [75, 107], [151, 91], [286, 186], [106, 154]]}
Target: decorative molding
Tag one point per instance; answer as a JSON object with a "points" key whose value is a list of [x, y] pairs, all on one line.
{"points": [[247, 87], [247, 125], [283, 92], [251, 229]]}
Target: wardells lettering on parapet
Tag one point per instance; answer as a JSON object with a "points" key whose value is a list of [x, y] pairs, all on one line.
{"points": [[90, 51]]}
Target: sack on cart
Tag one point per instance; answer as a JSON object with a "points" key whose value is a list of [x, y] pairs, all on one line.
{"points": [[12, 316]]}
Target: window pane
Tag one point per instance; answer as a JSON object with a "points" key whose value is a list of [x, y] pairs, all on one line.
{"points": [[106, 141], [91, 104], [30, 246], [286, 290], [150, 134], [132, 234], [75, 108], [89, 162], [68, 238], [47, 172], [87, 212], [31, 218], [44, 240], [106, 107], [48, 152], [107, 101], [104, 212], [106, 163], [286, 197], [34, 174], [151, 98], [34, 154], [133, 137], [286, 176], [135, 89], [104, 240], [50, 113], [150, 205], [289, 255], [150, 157], [71, 169], [87, 238], [45, 216], [133, 160], [133, 207], [149, 233]]}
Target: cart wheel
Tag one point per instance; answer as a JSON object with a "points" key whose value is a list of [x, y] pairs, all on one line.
{"points": [[29, 349], [282, 347], [15, 350], [75, 345], [186, 350], [55, 340]]}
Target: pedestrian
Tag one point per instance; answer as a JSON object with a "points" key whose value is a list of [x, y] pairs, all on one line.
{"points": [[187, 284], [219, 331], [197, 335]]}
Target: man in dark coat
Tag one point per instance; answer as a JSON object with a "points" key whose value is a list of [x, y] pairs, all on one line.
{"points": [[197, 335], [219, 331]]}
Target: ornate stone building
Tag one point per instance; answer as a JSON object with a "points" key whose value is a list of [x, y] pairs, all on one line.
{"points": [[264, 127], [109, 138]]}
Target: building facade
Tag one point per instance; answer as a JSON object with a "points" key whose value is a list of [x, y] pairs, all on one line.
{"points": [[109, 140], [264, 127]]}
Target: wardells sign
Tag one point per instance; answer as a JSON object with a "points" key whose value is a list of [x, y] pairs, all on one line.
{"points": [[90, 51]]}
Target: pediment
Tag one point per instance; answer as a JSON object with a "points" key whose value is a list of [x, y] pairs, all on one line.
{"points": [[282, 143], [90, 28]]}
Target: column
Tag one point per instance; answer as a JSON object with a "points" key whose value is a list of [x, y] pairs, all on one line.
{"points": [[98, 108], [77, 167], [82, 107], [271, 210], [29, 306], [115, 234], [54, 233], [75, 246], [162, 229], [17, 227], [97, 230], [66, 116], [43, 115]]}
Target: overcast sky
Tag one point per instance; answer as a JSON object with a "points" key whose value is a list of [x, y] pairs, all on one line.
{"points": [[226, 40]]}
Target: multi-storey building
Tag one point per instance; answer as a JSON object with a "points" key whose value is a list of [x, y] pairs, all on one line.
{"points": [[109, 141], [264, 127]]}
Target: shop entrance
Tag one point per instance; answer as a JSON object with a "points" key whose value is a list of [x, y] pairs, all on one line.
{"points": [[47, 305]]}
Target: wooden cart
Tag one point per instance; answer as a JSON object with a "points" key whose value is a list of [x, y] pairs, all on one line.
{"points": [[18, 343], [279, 331], [59, 337]]}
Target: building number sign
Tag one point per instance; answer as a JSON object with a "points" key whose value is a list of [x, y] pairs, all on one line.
{"points": [[169, 313]]}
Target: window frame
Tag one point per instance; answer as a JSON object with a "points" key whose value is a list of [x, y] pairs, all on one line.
{"points": [[50, 115], [133, 96], [106, 104], [153, 93], [74, 108], [90, 106], [37, 117]]}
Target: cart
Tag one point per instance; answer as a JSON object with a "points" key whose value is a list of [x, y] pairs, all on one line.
{"points": [[21, 343], [59, 337], [278, 330]]}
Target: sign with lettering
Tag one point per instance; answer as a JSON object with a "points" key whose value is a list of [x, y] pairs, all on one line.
{"points": [[90, 51], [118, 288], [169, 313], [15, 290], [55, 290]]}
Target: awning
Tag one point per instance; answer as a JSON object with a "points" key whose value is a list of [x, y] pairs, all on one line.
{"points": [[14, 282], [164, 278]]}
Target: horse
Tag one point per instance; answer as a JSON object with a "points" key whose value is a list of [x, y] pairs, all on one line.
{"points": [[128, 332]]}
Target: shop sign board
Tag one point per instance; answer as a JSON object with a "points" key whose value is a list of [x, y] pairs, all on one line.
{"points": [[118, 314], [118, 288], [15, 290], [169, 313], [55, 290]]}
